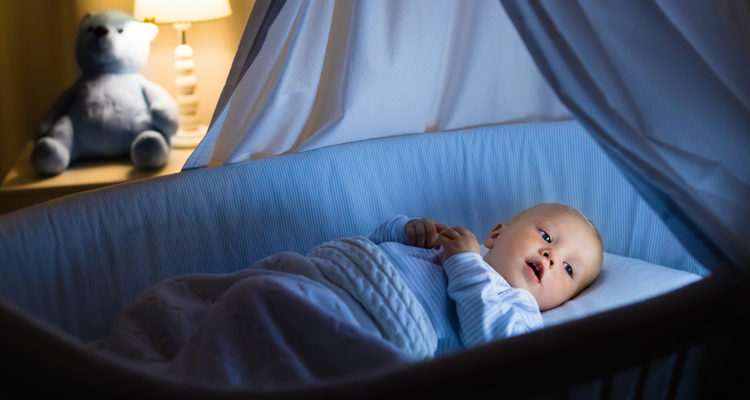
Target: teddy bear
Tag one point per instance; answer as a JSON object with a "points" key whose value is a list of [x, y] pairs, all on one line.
{"points": [[111, 110]]}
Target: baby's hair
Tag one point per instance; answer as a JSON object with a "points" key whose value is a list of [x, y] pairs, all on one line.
{"points": [[591, 225], [570, 209], [598, 238]]}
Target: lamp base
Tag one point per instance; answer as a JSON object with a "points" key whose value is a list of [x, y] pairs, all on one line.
{"points": [[184, 139]]}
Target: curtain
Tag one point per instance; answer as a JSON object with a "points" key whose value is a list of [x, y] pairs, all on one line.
{"points": [[310, 74], [664, 86]]}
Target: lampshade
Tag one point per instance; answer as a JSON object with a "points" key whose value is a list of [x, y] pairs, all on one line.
{"points": [[164, 11]]}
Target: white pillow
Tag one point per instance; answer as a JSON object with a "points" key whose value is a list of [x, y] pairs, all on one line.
{"points": [[623, 281]]}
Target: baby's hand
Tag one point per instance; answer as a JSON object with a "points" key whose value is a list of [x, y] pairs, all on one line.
{"points": [[423, 233], [458, 240]]}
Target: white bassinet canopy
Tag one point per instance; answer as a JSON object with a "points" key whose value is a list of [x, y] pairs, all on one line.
{"points": [[661, 85], [331, 72]]}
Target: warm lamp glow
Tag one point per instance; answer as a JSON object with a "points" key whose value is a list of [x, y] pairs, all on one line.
{"points": [[181, 13], [168, 11]]}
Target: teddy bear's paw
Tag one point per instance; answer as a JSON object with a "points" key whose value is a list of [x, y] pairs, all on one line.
{"points": [[149, 150], [165, 118], [49, 156]]}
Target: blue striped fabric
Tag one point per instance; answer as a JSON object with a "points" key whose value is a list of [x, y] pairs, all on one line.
{"points": [[75, 261], [467, 301]]}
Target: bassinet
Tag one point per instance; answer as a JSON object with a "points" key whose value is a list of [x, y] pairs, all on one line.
{"points": [[68, 265]]}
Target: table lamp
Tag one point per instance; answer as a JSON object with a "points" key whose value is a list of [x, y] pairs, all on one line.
{"points": [[181, 13]]}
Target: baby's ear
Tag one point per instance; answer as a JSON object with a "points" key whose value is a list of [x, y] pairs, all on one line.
{"points": [[490, 241]]}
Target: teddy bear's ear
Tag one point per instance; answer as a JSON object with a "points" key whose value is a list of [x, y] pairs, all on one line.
{"points": [[150, 29]]}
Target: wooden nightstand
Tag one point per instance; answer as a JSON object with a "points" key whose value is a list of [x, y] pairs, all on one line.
{"points": [[22, 187]]}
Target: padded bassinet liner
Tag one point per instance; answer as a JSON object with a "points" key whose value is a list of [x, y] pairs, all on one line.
{"points": [[74, 262]]}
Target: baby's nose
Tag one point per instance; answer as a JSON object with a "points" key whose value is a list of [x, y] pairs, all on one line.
{"points": [[549, 256]]}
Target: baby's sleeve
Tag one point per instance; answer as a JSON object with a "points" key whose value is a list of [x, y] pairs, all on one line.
{"points": [[391, 230], [488, 307]]}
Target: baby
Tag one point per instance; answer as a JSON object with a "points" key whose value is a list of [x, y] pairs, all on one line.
{"points": [[543, 257], [413, 289]]}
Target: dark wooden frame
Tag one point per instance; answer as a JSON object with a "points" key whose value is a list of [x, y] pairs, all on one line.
{"points": [[709, 314]]}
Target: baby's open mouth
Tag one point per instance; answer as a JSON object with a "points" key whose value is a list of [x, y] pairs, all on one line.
{"points": [[537, 269]]}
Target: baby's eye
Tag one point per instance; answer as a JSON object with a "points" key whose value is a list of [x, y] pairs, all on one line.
{"points": [[545, 236], [568, 269]]}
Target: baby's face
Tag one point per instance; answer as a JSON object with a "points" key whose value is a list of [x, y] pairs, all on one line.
{"points": [[549, 251]]}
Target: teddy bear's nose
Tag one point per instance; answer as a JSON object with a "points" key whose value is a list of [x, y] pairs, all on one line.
{"points": [[100, 31]]}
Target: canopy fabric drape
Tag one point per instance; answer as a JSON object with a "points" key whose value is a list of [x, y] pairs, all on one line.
{"points": [[326, 72], [664, 86]]}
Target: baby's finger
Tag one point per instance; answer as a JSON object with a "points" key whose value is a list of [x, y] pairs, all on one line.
{"points": [[420, 235], [460, 230], [449, 233], [431, 235], [464, 232], [441, 239], [440, 227], [410, 235]]}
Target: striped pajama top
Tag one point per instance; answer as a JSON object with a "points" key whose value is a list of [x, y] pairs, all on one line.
{"points": [[467, 301]]}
